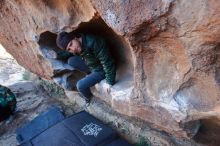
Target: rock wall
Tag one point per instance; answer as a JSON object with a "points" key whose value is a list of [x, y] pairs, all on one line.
{"points": [[171, 78], [23, 21]]}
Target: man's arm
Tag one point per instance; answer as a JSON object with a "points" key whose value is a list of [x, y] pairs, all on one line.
{"points": [[63, 54], [102, 53]]}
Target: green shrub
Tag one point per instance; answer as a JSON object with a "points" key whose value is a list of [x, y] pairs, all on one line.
{"points": [[143, 142], [26, 75], [52, 89]]}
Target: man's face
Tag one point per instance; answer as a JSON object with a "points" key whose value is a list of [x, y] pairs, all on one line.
{"points": [[74, 46]]}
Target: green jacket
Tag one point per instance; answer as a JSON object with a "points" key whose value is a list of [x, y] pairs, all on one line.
{"points": [[96, 55], [61, 54], [7, 98]]}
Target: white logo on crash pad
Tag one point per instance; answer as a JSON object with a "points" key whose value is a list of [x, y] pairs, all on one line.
{"points": [[91, 129]]}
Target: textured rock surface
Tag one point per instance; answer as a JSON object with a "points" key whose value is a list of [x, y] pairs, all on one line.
{"points": [[173, 48], [23, 21]]}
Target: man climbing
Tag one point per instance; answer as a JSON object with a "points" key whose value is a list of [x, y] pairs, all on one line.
{"points": [[91, 55]]}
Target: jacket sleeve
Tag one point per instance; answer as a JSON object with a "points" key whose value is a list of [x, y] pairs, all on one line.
{"points": [[63, 55], [102, 53]]}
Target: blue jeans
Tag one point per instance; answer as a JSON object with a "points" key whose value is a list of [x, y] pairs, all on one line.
{"points": [[83, 85]]}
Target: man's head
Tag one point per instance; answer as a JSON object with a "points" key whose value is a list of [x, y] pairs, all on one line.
{"points": [[70, 42]]}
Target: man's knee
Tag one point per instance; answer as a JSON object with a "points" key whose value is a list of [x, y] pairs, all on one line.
{"points": [[71, 60], [81, 86]]}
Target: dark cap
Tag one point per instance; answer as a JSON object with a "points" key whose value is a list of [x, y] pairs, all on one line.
{"points": [[64, 38]]}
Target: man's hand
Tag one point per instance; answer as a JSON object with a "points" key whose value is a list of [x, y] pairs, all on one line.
{"points": [[106, 86], [51, 54]]}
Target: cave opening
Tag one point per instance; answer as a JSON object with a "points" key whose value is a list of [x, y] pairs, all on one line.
{"points": [[119, 48], [47, 42], [209, 132]]}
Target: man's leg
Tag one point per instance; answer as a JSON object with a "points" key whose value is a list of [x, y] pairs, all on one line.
{"points": [[83, 85], [78, 63]]}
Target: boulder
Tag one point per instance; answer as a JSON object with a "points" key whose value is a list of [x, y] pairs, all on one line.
{"points": [[167, 53]]}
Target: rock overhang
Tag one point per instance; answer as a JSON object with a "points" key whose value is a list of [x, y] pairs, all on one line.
{"points": [[167, 77]]}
